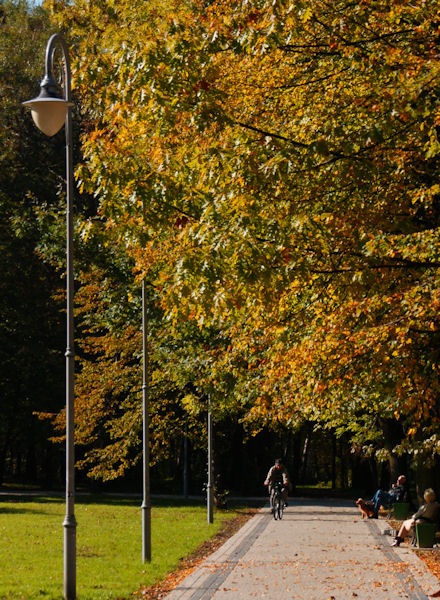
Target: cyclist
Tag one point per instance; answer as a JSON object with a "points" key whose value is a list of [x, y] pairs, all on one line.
{"points": [[277, 474]]}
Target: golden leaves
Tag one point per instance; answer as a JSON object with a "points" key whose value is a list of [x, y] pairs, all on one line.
{"points": [[272, 171]]}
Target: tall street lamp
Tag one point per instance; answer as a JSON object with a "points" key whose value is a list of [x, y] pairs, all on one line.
{"points": [[50, 110], [210, 485], [146, 499], [146, 495]]}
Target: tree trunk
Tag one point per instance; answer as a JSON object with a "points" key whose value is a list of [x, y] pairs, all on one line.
{"points": [[393, 435], [427, 477]]}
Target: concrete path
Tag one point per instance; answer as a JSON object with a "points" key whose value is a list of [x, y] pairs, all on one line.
{"points": [[321, 550]]}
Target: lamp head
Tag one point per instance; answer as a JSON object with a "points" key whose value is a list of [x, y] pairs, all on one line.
{"points": [[49, 109]]}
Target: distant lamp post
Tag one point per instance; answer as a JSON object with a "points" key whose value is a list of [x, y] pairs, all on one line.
{"points": [[146, 495], [210, 486], [146, 499], [50, 110]]}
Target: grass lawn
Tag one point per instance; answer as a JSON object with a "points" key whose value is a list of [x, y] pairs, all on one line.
{"points": [[109, 545]]}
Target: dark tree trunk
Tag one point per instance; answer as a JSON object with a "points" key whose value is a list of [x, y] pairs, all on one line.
{"points": [[393, 435]]}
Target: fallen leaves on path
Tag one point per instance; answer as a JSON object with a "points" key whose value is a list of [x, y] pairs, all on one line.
{"points": [[164, 587], [432, 560], [160, 590]]}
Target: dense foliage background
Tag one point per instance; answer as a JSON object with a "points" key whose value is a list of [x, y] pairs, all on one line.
{"points": [[270, 171]]}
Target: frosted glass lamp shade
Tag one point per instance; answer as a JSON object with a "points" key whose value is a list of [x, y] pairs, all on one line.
{"points": [[49, 114]]}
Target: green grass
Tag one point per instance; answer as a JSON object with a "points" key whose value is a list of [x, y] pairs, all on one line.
{"points": [[109, 546]]}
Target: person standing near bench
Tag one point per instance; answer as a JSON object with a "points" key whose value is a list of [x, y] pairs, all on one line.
{"points": [[397, 493], [427, 513]]}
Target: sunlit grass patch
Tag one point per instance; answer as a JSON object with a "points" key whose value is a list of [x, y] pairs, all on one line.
{"points": [[109, 546]]}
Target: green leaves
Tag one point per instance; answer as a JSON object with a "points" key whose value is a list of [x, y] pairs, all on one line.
{"points": [[272, 171]]}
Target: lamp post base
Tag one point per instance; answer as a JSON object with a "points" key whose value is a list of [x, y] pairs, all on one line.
{"points": [[69, 525]]}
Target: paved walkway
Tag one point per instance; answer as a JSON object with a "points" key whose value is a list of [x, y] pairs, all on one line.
{"points": [[321, 550]]}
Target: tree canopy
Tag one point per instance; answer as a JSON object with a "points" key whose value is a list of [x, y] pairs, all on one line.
{"points": [[271, 170], [31, 221]]}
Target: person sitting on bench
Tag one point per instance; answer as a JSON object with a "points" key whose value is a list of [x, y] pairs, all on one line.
{"points": [[397, 493], [427, 513]]}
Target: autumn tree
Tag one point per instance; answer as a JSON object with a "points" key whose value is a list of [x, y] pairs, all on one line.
{"points": [[31, 221], [272, 169]]}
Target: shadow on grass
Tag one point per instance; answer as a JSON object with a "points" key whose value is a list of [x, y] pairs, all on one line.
{"points": [[8, 503], [7, 509], [16, 504]]}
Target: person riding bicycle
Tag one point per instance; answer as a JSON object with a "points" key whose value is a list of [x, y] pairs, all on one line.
{"points": [[278, 474]]}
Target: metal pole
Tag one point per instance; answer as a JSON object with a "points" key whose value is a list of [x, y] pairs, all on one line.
{"points": [[146, 502], [185, 463], [209, 487], [69, 520], [46, 114]]}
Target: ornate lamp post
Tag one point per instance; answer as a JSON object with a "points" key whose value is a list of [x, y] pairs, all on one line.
{"points": [[50, 110]]}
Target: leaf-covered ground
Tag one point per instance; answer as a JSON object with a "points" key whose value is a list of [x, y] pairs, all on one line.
{"points": [[432, 560], [161, 589]]}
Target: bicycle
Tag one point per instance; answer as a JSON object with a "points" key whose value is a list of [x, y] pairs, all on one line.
{"points": [[277, 501]]}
